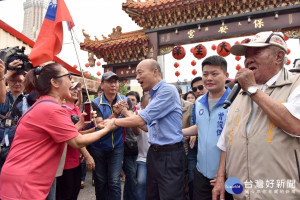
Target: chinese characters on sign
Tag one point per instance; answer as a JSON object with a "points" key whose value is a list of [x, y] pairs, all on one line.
{"points": [[279, 186], [258, 23], [223, 29], [191, 34]]}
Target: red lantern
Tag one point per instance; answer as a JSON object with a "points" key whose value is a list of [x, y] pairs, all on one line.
{"points": [[285, 38], [86, 74], [193, 63], [194, 72], [238, 67], [177, 73], [75, 66], [238, 58], [86, 64], [199, 51], [223, 49], [247, 40], [213, 47], [98, 73], [176, 64], [98, 63], [192, 50], [178, 52], [237, 42], [288, 62], [98, 80], [288, 51]]}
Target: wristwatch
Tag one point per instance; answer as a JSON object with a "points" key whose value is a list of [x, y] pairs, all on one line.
{"points": [[252, 90]]}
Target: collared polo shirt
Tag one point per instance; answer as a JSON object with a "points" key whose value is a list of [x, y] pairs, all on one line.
{"points": [[163, 115]]}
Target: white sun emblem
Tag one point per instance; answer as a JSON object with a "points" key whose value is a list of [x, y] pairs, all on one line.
{"points": [[53, 3]]}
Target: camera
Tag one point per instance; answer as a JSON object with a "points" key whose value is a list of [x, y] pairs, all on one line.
{"points": [[75, 119], [10, 54]]}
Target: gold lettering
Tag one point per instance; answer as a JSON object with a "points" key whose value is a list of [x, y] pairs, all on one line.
{"points": [[269, 138], [168, 37], [258, 23], [231, 137], [237, 120], [270, 131], [271, 124], [191, 33], [223, 29]]}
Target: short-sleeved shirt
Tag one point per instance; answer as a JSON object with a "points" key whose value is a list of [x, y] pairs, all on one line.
{"points": [[73, 155], [163, 115], [35, 153]]}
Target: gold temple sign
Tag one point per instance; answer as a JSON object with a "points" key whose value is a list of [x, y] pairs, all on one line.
{"points": [[223, 29], [168, 37], [191, 33], [258, 23], [238, 27]]}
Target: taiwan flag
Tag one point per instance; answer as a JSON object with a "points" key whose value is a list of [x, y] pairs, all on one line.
{"points": [[50, 39]]}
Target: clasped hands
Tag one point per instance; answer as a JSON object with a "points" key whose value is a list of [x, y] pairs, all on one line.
{"points": [[121, 107]]}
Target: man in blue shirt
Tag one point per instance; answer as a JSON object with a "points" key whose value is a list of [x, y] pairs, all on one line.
{"points": [[109, 150], [210, 117], [166, 161]]}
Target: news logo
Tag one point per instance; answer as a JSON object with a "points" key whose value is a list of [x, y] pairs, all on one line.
{"points": [[233, 186]]}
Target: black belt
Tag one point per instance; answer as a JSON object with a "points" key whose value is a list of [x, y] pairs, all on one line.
{"points": [[167, 147]]}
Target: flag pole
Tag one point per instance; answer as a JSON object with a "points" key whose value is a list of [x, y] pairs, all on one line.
{"points": [[84, 80]]}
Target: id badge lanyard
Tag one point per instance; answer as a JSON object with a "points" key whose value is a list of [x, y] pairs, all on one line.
{"points": [[8, 123]]}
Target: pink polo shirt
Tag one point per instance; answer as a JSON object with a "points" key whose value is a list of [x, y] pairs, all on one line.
{"points": [[73, 155], [35, 153]]}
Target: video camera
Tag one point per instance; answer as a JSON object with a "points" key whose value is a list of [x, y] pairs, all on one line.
{"points": [[10, 54]]}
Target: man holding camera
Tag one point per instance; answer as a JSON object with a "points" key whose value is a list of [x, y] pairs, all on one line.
{"points": [[11, 105]]}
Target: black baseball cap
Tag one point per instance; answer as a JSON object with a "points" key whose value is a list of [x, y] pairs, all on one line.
{"points": [[107, 75]]}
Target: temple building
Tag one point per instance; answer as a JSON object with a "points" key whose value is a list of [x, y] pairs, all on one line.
{"points": [[168, 23]]}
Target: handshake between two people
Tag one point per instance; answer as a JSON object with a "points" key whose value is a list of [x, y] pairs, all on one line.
{"points": [[119, 108]]}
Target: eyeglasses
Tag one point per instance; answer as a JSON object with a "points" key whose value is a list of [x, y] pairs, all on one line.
{"points": [[68, 74], [15, 81], [199, 87]]}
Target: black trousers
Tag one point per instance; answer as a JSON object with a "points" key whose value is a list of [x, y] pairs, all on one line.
{"points": [[166, 170], [68, 185], [203, 189]]}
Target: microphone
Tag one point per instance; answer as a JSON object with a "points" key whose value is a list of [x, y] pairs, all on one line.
{"points": [[230, 98]]}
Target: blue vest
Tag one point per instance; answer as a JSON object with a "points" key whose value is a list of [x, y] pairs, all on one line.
{"points": [[210, 126], [112, 139]]}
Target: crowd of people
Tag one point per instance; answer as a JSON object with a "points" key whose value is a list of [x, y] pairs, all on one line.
{"points": [[169, 145]]}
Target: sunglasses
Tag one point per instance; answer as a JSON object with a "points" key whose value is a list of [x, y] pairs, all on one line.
{"points": [[68, 74], [200, 87]]}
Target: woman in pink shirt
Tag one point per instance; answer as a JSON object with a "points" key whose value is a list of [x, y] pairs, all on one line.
{"points": [[41, 135], [68, 185]]}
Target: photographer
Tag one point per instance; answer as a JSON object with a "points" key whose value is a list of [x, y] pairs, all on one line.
{"points": [[13, 103]]}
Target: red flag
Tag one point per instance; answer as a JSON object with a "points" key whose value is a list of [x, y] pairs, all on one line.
{"points": [[50, 39]]}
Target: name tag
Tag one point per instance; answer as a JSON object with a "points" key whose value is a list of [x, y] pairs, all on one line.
{"points": [[8, 122]]}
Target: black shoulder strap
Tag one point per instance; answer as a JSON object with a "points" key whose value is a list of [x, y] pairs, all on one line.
{"points": [[14, 105]]}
